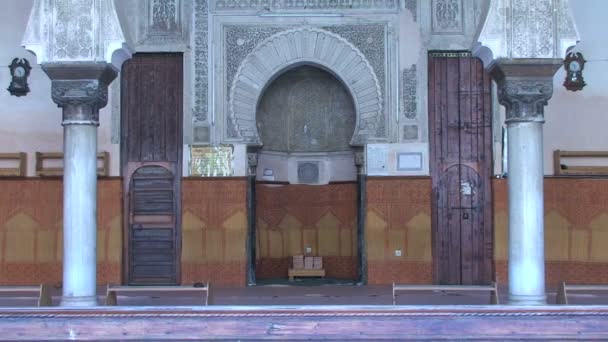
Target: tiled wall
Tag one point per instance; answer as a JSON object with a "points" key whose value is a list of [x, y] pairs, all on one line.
{"points": [[214, 230], [398, 218], [576, 230], [291, 217], [31, 231]]}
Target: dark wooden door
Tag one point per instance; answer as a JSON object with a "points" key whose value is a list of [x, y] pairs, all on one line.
{"points": [[460, 122], [151, 154]]}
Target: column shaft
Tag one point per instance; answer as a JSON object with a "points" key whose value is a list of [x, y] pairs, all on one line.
{"points": [[80, 215], [526, 214]]}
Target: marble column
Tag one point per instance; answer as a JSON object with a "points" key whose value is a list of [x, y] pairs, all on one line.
{"points": [[80, 89], [524, 87]]}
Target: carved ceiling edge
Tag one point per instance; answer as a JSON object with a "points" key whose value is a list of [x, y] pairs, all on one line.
{"points": [[299, 46]]}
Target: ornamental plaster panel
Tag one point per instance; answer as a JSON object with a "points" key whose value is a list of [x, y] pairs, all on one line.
{"points": [[201, 60], [526, 29], [370, 40], [447, 16], [451, 24], [306, 45], [75, 31], [412, 6], [409, 85], [164, 25]]}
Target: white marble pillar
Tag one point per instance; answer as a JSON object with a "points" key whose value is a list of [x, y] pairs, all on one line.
{"points": [[525, 187], [524, 87], [79, 213], [80, 90]]}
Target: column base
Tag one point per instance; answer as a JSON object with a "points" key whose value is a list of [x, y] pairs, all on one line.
{"points": [[527, 299], [79, 301]]}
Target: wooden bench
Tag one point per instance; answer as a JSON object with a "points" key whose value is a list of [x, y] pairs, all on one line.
{"points": [[20, 161], [112, 290], [305, 272], [562, 291], [561, 169], [43, 292], [493, 289]]}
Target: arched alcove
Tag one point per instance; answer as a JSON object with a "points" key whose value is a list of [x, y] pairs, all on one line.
{"points": [[306, 109], [306, 45]]}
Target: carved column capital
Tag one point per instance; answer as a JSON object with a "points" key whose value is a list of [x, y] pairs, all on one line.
{"points": [[360, 161], [80, 89], [252, 162], [524, 87]]}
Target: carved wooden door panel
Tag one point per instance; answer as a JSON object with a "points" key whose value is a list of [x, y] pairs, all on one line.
{"points": [[151, 153], [460, 122]]}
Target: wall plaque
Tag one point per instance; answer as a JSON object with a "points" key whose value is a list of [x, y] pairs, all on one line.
{"points": [[211, 161]]}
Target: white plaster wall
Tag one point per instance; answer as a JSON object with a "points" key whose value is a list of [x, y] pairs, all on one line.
{"points": [[33, 123], [579, 120]]}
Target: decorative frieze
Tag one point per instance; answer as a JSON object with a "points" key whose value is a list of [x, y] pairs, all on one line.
{"points": [[304, 5], [409, 85], [447, 16]]}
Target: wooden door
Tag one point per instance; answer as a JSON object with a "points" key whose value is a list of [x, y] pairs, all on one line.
{"points": [[151, 155], [460, 122]]}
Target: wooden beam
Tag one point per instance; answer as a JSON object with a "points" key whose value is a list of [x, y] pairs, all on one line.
{"points": [[342, 323]]}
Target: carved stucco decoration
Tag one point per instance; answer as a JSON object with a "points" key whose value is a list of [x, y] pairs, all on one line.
{"points": [[412, 6], [313, 46], [164, 16], [304, 5], [526, 29], [201, 54], [409, 85], [75, 31], [448, 16], [165, 23]]}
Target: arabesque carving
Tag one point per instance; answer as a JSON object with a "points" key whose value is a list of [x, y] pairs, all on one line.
{"points": [[312, 46]]}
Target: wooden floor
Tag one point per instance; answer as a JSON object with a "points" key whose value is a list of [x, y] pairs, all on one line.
{"points": [[316, 323]]}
